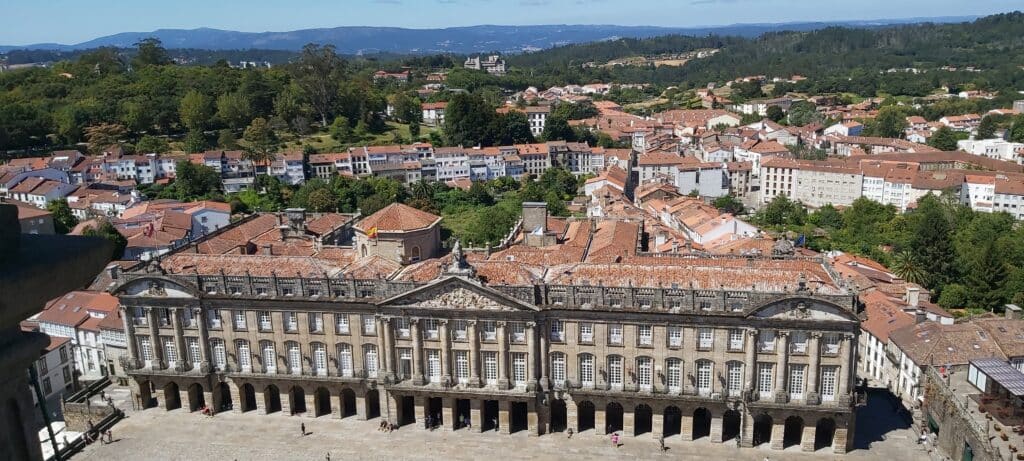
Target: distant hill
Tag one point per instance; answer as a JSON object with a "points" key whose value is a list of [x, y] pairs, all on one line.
{"points": [[484, 38]]}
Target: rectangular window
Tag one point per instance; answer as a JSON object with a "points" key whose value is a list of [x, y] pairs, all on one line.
{"points": [[369, 325], [264, 320], [675, 336], [434, 365], [461, 330], [704, 377], [796, 381], [269, 357], [830, 344], [345, 360], [194, 355], [291, 321], [316, 322], [798, 342], [489, 330], [244, 357], [371, 360], [405, 363], [558, 369], [320, 359], [644, 335], [586, 332], [220, 355], [462, 366], [615, 371], [557, 331], [734, 378], [47, 390], [615, 334], [294, 359], [705, 338], [170, 352], [213, 319], [829, 374], [587, 370], [766, 341], [490, 367], [239, 320], [644, 372], [518, 332], [735, 339], [519, 368], [674, 375], [430, 328], [402, 326], [341, 324], [764, 379], [67, 375], [63, 355]]}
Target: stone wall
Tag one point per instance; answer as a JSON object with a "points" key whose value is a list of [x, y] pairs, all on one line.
{"points": [[78, 415], [956, 427]]}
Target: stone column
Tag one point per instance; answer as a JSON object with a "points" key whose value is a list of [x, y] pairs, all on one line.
{"points": [[446, 364], [811, 396], [842, 374], [389, 349], [421, 411], [338, 405], [204, 341], [503, 360], [362, 407], [236, 397], [476, 419], [154, 341], [285, 399], [382, 350], [782, 362], [747, 431], [532, 423], [531, 357], [448, 415], [686, 426], [544, 356], [750, 348], [807, 439], [474, 361], [503, 410], [839, 441], [778, 432], [716, 429], [657, 422], [571, 416], [417, 352], [129, 334], [628, 421], [179, 339], [599, 420]]}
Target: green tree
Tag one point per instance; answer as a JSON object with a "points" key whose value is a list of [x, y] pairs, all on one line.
{"points": [[414, 130], [288, 104], [943, 139], [109, 232], [104, 135], [317, 72], [987, 128], [152, 145], [728, 204], [467, 120], [63, 219], [955, 296], [226, 139], [340, 129], [509, 129], [1017, 129], [931, 243], [908, 267], [234, 109], [776, 114], [193, 182], [827, 217], [195, 110], [194, 142], [782, 211], [261, 142], [557, 129], [986, 278], [150, 52], [321, 200], [407, 108], [889, 123]]}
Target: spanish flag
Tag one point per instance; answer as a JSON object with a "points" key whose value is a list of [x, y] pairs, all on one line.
{"points": [[372, 233]]}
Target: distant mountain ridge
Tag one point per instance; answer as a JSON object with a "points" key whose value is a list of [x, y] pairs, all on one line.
{"points": [[472, 39]]}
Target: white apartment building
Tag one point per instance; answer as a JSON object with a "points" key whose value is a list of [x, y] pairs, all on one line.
{"points": [[994, 148]]}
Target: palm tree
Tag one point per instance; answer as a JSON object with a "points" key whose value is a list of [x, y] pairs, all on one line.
{"points": [[423, 190], [906, 266]]}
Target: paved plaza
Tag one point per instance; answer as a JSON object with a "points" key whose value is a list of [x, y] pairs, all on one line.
{"points": [[178, 435]]}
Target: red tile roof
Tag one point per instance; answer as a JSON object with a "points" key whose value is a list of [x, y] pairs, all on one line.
{"points": [[398, 217]]}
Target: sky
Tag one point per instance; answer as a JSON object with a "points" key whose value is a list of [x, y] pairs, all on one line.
{"points": [[72, 21]]}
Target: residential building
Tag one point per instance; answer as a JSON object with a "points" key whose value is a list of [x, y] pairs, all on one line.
{"points": [[76, 316], [492, 64], [55, 370], [433, 113]]}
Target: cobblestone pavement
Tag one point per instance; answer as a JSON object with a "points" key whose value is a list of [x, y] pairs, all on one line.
{"points": [[156, 434]]}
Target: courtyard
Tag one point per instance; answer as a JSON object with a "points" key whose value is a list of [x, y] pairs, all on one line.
{"points": [[180, 435]]}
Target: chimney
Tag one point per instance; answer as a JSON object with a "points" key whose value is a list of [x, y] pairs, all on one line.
{"points": [[1013, 312], [267, 249], [114, 270], [913, 296], [920, 316]]}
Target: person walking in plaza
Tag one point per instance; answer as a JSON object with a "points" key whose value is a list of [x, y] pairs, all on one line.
{"points": [[661, 443], [302, 427], [615, 439], [569, 431]]}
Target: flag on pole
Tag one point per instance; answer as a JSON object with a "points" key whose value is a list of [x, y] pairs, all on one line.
{"points": [[372, 233]]}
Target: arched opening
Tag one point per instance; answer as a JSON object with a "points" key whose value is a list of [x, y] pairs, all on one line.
{"points": [[701, 423], [490, 415], [145, 397], [348, 403], [559, 415], [414, 255], [434, 413], [172, 398], [613, 417], [407, 410], [584, 416], [462, 410], [297, 400], [762, 429], [643, 417], [222, 398], [673, 421], [730, 425], [517, 417], [247, 397], [196, 399], [824, 432], [272, 399], [372, 404], [362, 251], [322, 402], [793, 431]]}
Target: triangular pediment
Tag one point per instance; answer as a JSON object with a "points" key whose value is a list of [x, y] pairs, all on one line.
{"points": [[803, 309], [155, 287], [457, 293]]}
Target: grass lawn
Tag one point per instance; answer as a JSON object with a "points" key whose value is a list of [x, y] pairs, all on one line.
{"points": [[323, 142]]}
